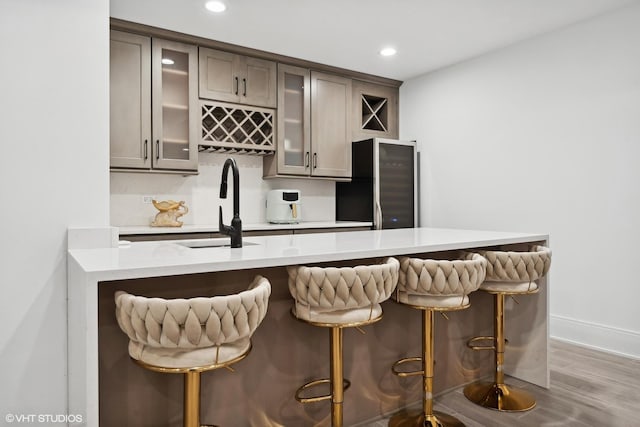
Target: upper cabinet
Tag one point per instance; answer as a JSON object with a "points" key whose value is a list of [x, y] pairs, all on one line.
{"points": [[330, 125], [235, 78], [153, 103], [294, 123], [313, 126], [130, 101], [175, 105], [375, 111]]}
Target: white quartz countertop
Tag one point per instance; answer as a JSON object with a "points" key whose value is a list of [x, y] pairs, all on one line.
{"points": [[163, 258], [213, 228]]}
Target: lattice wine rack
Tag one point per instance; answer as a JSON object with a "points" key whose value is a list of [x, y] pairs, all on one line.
{"points": [[237, 129], [374, 113]]}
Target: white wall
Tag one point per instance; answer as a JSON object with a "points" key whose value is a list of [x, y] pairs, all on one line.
{"points": [[545, 136], [54, 165], [201, 193]]}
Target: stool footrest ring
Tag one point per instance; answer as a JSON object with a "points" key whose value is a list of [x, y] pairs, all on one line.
{"points": [[471, 343], [299, 398], [404, 374], [473, 346]]}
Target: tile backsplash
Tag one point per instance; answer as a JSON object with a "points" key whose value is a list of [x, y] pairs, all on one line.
{"points": [[201, 193]]}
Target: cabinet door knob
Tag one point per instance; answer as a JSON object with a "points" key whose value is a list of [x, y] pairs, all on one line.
{"points": [[157, 149], [244, 84], [315, 160], [306, 160], [146, 152], [236, 85]]}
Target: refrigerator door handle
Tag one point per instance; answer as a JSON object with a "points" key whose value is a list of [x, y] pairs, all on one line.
{"points": [[378, 215]]}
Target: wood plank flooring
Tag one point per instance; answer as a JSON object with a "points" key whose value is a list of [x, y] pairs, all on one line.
{"points": [[588, 388]]}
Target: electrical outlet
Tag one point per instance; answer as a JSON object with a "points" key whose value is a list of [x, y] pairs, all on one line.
{"points": [[147, 199]]}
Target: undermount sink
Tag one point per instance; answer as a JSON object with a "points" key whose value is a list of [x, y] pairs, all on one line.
{"points": [[210, 243]]}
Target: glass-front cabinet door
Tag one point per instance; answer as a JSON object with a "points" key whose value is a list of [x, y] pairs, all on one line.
{"points": [[175, 107], [294, 104]]}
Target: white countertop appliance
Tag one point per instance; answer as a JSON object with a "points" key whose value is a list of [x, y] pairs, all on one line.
{"points": [[283, 206]]}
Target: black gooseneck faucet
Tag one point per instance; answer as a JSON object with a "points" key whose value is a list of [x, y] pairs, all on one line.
{"points": [[235, 229]]}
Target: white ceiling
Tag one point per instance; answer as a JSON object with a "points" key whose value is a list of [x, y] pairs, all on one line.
{"points": [[428, 34]]}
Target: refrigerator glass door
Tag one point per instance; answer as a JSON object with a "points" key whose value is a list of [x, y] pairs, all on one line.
{"points": [[396, 177]]}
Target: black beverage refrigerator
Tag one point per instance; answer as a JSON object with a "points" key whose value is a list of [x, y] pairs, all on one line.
{"points": [[384, 185]]}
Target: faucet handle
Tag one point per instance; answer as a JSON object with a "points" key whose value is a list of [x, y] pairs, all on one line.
{"points": [[224, 229]]}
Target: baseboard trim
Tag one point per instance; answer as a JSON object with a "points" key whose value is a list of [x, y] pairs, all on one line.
{"points": [[598, 337]]}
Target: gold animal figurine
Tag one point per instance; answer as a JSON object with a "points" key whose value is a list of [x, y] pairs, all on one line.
{"points": [[170, 211]]}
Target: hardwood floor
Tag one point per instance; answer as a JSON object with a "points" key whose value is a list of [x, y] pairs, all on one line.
{"points": [[588, 388]]}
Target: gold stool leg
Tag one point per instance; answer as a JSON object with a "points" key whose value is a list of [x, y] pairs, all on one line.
{"points": [[191, 399], [336, 377], [427, 417], [498, 395]]}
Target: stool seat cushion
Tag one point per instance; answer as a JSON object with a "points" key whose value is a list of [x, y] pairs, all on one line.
{"points": [[432, 301], [338, 317], [192, 329], [188, 358], [342, 294], [509, 287], [516, 272], [431, 283]]}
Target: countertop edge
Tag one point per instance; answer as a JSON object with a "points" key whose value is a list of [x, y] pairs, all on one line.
{"points": [[167, 258]]}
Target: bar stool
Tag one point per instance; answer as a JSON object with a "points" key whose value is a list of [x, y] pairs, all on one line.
{"points": [[508, 273], [433, 285], [337, 298], [190, 336]]}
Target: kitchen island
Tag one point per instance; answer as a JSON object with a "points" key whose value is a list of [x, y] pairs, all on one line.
{"points": [[107, 388]]}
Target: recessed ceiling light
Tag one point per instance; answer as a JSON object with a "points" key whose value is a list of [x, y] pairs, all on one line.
{"points": [[388, 51], [167, 61], [216, 6]]}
